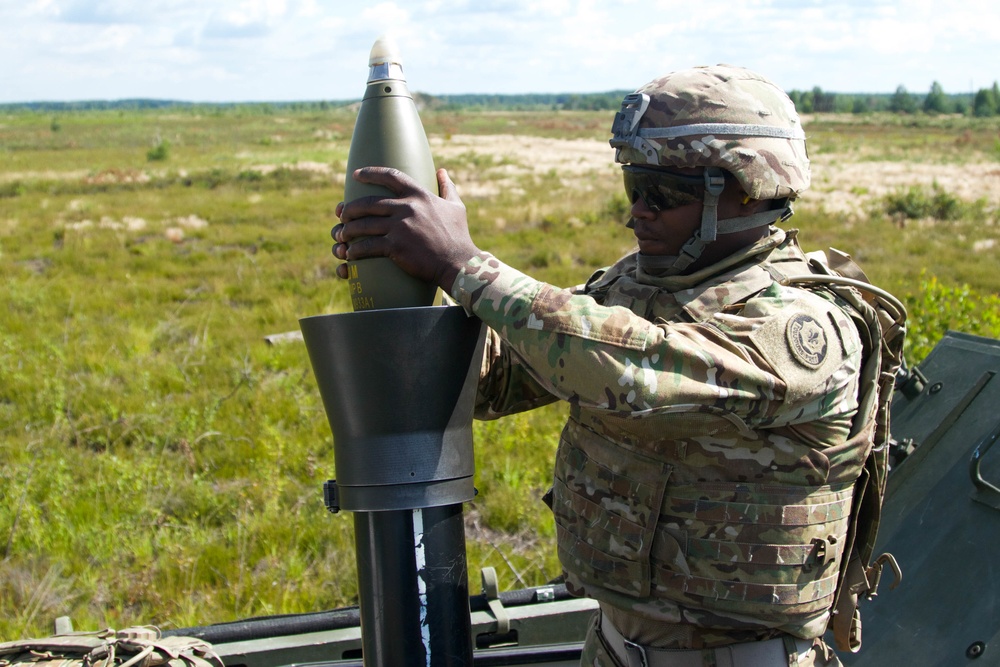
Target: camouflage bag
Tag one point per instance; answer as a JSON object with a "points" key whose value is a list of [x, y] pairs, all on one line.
{"points": [[132, 647]]}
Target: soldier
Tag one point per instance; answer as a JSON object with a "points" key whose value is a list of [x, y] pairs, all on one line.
{"points": [[722, 402]]}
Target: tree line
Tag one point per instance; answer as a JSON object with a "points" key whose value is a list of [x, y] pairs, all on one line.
{"points": [[984, 103]]}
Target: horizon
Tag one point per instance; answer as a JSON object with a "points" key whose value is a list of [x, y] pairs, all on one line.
{"points": [[355, 100]]}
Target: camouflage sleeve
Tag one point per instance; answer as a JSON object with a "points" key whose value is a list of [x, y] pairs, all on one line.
{"points": [[506, 383], [780, 361]]}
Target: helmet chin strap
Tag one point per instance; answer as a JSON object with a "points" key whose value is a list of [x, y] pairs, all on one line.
{"points": [[715, 183], [711, 227]]}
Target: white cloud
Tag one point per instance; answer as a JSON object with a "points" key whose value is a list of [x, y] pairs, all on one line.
{"points": [[248, 19], [42, 7], [310, 49]]}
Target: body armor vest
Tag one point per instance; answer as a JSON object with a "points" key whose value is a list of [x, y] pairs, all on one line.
{"points": [[692, 508]]}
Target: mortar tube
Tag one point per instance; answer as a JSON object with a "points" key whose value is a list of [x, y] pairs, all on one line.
{"points": [[414, 595], [398, 386]]}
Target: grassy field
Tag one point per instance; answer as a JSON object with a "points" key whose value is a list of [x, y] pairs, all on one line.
{"points": [[162, 464]]}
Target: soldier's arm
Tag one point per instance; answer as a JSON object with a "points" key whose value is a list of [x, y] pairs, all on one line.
{"points": [[609, 358], [506, 384]]}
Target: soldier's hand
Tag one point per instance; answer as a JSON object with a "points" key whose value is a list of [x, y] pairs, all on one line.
{"points": [[426, 235]]}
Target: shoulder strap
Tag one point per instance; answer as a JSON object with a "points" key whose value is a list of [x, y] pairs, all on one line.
{"points": [[881, 323]]}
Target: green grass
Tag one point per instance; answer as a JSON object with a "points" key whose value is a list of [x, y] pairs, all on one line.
{"points": [[163, 464]]}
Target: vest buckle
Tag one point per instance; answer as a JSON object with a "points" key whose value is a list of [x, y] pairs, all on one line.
{"points": [[825, 550]]}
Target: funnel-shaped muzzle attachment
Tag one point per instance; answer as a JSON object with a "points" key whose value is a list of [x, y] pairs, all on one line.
{"points": [[399, 387]]}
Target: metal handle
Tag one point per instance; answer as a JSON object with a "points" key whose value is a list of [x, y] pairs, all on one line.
{"points": [[989, 493]]}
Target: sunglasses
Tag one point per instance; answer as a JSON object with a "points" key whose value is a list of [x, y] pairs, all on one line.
{"points": [[661, 190]]}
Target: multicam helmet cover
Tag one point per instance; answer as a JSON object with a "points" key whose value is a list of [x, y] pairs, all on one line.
{"points": [[720, 116]]}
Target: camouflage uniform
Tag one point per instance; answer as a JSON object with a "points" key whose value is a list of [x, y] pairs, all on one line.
{"points": [[708, 418], [704, 480]]}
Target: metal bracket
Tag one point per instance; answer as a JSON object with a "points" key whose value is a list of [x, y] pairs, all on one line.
{"points": [[330, 498], [913, 384], [625, 128], [491, 591], [986, 493]]}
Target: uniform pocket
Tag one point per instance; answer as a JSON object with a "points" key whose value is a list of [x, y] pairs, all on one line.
{"points": [[606, 500]]}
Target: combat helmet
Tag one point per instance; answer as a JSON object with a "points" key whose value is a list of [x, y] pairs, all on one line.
{"points": [[724, 119]]}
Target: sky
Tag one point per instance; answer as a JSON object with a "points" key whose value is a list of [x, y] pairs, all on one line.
{"points": [[303, 50]]}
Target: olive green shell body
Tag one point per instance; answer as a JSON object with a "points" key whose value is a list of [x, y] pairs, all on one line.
{"points": [[388, 133]]}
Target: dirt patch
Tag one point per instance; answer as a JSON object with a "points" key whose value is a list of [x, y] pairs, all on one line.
{"points": [[532, 154], [302, 165], [173, 228], [500, 160], [849, 188], [46, 175], [117, 176], [491, 164], [840, 183]]}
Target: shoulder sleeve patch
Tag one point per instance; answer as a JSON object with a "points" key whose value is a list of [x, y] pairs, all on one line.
{"points": [[802, 344], [807, 340]]}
